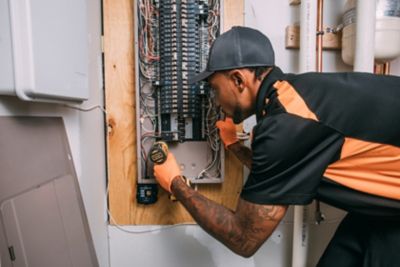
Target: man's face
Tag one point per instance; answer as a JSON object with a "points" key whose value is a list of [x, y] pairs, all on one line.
{"points": [[227, 96]]}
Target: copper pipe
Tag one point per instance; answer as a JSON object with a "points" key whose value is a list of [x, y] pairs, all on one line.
{"points": [[378, 68], [319, 217], [320, 33], [386, 68]]}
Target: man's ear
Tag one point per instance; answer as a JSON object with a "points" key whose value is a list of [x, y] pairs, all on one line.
{"points": [[237, 77]]}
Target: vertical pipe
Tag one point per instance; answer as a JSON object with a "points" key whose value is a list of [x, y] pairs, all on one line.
{"points": [[320, 33], [386, 68], [308, 20], [308, 24], [300, 237], [378, 68], [365, 36]]}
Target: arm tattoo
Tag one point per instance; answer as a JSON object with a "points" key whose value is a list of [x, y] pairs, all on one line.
{"points": [[243, 231]]}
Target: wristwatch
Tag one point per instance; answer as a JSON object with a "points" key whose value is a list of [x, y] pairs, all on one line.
{"points": [[186, 180]]}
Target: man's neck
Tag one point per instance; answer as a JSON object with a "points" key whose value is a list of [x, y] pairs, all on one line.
{"points": [[259, 80]]}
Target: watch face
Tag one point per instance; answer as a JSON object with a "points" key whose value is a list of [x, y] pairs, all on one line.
{"points": [[187, 181]]}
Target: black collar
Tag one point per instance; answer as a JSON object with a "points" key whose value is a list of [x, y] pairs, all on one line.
{"points": [[266, 89]]}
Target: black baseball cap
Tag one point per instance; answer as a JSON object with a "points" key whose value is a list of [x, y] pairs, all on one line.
{"points": [[239, 47]]}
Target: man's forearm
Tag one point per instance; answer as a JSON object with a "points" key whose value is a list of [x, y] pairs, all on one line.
{"points": [[242, 152], [215, 219]]}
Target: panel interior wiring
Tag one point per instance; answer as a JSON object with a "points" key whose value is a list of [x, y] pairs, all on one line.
{"points": [[173, 39]]}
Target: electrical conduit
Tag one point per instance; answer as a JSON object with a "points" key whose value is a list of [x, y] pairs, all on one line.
{"points": [[365, 36], [308, 20]]}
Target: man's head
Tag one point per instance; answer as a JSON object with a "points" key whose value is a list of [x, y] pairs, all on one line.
{"points": [[238, 60], [236, 90]]}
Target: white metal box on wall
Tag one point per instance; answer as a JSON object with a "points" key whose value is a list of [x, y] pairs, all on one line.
{"points": [[44, 50]]}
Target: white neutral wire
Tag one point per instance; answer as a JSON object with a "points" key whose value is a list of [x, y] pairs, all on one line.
{"points": [[87, 109]]}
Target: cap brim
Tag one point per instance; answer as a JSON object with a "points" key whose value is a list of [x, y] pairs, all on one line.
{"points": [[201, 76]]}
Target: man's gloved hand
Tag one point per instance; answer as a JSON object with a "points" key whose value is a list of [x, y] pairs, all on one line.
{"points": [[166, 172], [227, 131]]}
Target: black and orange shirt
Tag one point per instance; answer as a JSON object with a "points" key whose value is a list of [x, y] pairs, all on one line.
{"points": [[328, 136]]}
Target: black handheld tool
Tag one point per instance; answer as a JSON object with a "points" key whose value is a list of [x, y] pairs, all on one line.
{"points": [[147, 193], [159, 152], [158, 155]]}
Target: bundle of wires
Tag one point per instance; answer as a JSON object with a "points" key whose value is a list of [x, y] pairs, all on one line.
{"points": [[214, 167], [148, 39], [213, 19], [149, 58]]}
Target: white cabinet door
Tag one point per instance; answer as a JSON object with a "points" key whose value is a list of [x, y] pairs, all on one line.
{"points": [[47, 42]]}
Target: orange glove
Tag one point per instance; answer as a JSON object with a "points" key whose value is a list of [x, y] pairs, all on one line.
{"points": [[166, 172], [227, 131]]}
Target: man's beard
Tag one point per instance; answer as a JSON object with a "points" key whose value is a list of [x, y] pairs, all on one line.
{"points": [[237, 115]]}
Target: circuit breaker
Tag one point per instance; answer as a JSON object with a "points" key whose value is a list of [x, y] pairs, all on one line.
{"points": [[172, 44]]}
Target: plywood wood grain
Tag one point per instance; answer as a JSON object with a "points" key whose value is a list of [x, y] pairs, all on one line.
{"points": [[119, 68], [233, 14], [120, 105]]}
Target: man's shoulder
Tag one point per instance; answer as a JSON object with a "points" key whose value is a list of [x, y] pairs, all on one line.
{"points": [[318, 76], [286, 127], [340, 78]]}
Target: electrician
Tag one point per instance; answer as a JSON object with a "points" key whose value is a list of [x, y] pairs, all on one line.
{"points": [[333, 137]]}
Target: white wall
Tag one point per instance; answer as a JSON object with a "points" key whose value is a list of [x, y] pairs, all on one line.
{"points": [[85, 132], [189, 245]]}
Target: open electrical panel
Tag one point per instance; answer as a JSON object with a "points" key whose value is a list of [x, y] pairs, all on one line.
{"points": [[172, 43]]}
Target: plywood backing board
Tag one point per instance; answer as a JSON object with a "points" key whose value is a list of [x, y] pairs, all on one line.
{"points": [[119, 69]]}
